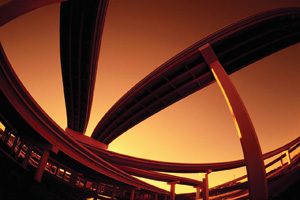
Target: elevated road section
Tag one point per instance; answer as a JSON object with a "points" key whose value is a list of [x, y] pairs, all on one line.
{"points": [[236, 46], [81, 27], [22, 115]]}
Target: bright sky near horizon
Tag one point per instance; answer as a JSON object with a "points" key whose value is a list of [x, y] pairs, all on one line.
{"points": [[138, 37]]}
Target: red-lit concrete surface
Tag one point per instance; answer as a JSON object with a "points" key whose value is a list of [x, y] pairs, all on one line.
{"points": [[235, 47], [81, 27]]}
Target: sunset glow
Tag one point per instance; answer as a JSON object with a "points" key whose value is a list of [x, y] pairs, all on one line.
{"points": [[138, 37]]}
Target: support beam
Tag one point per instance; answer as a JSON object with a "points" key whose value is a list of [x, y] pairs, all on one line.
{"points": [[205, 188], [113, 192], [98, 191], [132, 194], [198, 191], [249, 141], [27, 156], [19, 149], [288, 156], [172, 189], [41, 167]]}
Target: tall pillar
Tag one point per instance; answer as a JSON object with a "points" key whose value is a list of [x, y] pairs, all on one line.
{"points": [[288, 156], [205, 188], [27, 156], [132, 194], [155, 196], [41, 167], [123, 192], [97, 191], [198, 188], [142, 196], [252, 153], [113, 192], [172, 189]]}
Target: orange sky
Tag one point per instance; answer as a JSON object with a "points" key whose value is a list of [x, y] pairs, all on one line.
{"points": [[139, 36]]}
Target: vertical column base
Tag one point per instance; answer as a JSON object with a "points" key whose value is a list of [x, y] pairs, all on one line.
{"points": [[172, 189], [41, 167], [288, 157], [132, 194], [27, 156]]}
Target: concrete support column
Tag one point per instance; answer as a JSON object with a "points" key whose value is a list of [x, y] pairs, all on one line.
{"points": [[252, 152], [205, 188], [172, 189], [198, 191], [142, 196], [288, 156], [19, 150], [123, 192], [27, 156], [132, 194], [113, 192], [97, 191], [41, 167]]}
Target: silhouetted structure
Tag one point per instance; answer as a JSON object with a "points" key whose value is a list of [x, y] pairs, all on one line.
{"points": [[36, 143]]}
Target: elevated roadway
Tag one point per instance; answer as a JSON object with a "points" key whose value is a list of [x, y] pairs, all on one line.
{"points": [[173, 167], [21, 111], [236, 46], [81, 27]]}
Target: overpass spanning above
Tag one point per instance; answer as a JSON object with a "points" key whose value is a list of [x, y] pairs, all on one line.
{"points": [[236, 46], [81, 26]]}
